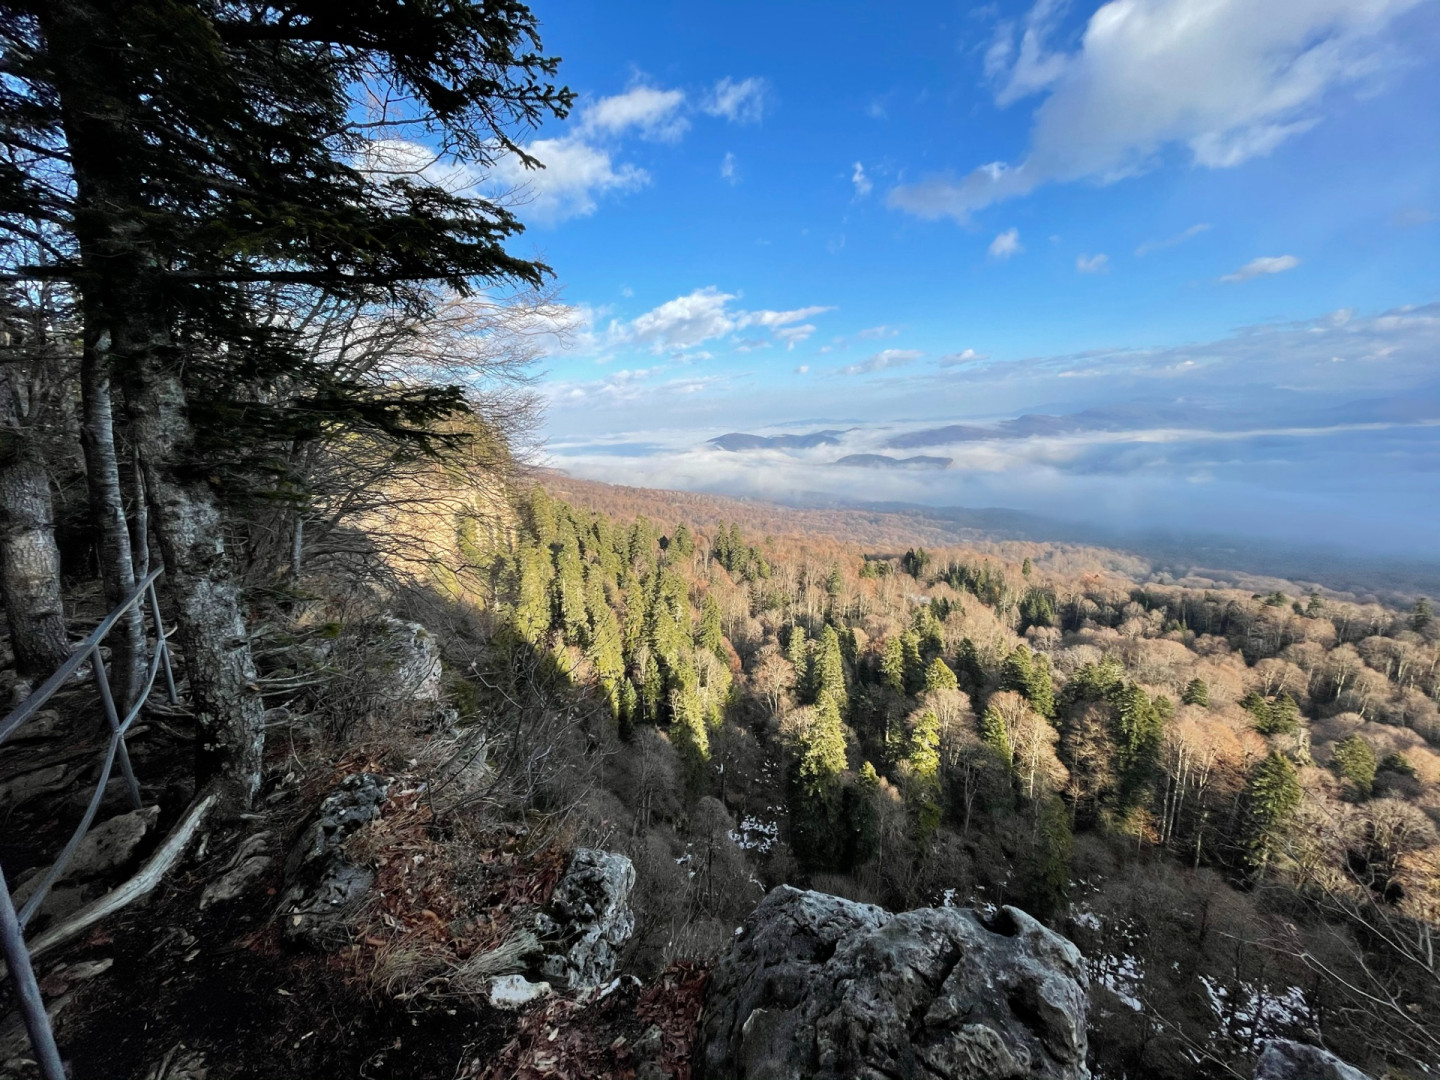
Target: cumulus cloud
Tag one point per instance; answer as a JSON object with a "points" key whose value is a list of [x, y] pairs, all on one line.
{"points": [[882, 361], [863, 184], [1171, 241], [1265, 264], [870, 333], [740, 102], [1006, 244], [648, 110], [706, 314], [581, 167], [1227, 79], [575, 176], [1093, 264]]}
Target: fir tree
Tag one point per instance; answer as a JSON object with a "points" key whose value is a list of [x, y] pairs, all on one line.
{"points": [[798, 653], [892, 665], [938, 676], [994, 735], [1353, 759], [1197, 692], [1271, 797], [710, 636], [829, 670]]}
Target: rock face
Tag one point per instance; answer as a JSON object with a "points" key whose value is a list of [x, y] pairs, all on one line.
{"points": [[1285, 1060], [589, 919], [415, 655], [323, 887], [818, 986]]}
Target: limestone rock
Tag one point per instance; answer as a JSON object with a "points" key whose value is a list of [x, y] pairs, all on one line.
{"points": [[323, 888], [415, 658], [589, 919], [516, 991], [1285, 1060], [818, 986], [106, 848]]}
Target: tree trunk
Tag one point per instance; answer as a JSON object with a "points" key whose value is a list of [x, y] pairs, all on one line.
{"points": [[29, 559], [107, 507], [188, 526], [127, 315]]}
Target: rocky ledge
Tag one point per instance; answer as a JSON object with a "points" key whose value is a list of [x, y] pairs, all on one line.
{"points": [[818, 986]]}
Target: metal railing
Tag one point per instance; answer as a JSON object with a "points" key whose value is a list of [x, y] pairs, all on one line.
{"points": [[13, 923]]}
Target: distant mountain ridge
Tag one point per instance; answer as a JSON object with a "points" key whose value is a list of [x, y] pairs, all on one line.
{"points": [[884, 461], [739, 441]]}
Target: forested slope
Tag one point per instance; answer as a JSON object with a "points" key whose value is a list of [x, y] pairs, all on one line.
{"points": [[1228, 798]]}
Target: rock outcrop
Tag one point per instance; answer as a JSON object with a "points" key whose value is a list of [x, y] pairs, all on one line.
{"points": [[818, 986], [414, 656], [322, 887], [588, 920], [1285, 1060]]}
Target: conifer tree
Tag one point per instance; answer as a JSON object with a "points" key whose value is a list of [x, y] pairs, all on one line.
{"points": [[914, 662], [1354, 759], [1197, 692], [892, 665], [829, 670], [994, 735], [938, 676], [797, 651], [710, 636], [1271, 797]]}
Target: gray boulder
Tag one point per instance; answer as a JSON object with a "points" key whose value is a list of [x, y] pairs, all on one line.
{"points": [[818, 986], [589, 919], [323, 888], [1285, 1060], [414, 656]]}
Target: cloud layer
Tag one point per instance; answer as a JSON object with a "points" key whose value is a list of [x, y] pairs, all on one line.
{"points": [[1228, 80]]}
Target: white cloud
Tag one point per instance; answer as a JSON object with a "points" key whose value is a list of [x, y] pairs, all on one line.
{"points": [[727, 169], [1229, 79], [1093, 264], [684, 322], [575, 175], [1265, 264], [882, 361], [741, 102], [863, 184], [967, 356], [781, 318], [706, 314], [1006, 244], [802, 369], [1171, 241], [872, 332], [794, 335], [654, 113]]}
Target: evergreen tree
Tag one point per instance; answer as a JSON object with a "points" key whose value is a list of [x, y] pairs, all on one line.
{"points": [[938, 676], [1421, 616], [914, 662], [829, 670], [994, 735], [892, 665], [1353, 759], [710, 636], [1279, 715], [1137, 731], [1045, 866], [968, 671], [682, 542], [1026, 568], [798, 653], [1271, 797], [1197, 692]]}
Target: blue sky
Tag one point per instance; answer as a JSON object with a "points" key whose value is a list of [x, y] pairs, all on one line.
{"points": [[1220, 214]]}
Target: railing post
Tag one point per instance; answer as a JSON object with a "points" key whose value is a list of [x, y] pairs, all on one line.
{"points": [[163, 644], [102, 681], [27, 990]]}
